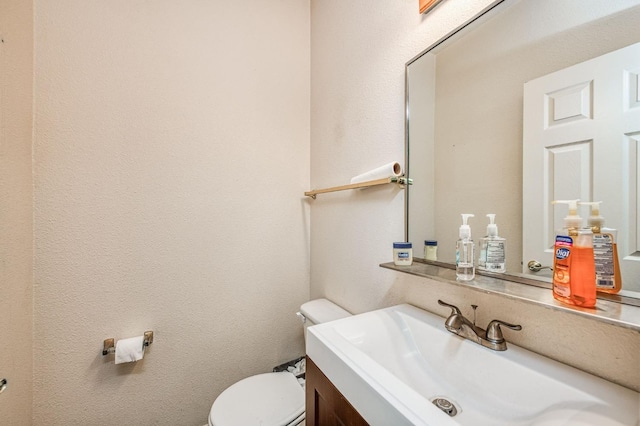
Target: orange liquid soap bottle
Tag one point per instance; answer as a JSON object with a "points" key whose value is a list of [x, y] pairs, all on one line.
{"points": [[573, 265], [605, 252]]}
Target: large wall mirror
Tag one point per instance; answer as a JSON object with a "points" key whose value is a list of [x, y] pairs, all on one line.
{"points": [[465, 122]]}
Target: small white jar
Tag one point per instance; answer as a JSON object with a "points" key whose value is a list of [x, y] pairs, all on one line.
{"points": [[402, 254], [431, 250]]}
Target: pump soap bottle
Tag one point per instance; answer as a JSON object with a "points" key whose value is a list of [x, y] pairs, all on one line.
{"points": [[465, 269], [492, 256], [574, 274], [605, 252]]}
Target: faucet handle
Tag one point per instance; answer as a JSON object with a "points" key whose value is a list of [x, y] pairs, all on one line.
{"points": [[455, 319], [454, 309], [494, 333]]}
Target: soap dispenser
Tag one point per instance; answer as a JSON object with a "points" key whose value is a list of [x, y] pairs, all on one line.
{"points": [[605, 252], [574, 274], [465, 269], [492, 256]]}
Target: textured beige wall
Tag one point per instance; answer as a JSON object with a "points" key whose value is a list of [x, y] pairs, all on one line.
{"points": [[359, 49], [16, 229], [171, 144], [171, 153]]}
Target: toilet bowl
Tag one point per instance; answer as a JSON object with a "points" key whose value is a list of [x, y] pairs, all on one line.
{"points": [[271, 399]]}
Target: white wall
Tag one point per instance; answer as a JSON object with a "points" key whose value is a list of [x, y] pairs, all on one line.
{"points": [[171, 153], [16, 230], [359, 49], [171, 146]]}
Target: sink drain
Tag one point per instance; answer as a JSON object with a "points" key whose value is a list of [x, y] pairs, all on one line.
{"points": [[445, 405]]}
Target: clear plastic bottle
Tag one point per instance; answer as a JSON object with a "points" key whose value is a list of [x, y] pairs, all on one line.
{"points": [[605, 252], [492, 257], [465, 269]]}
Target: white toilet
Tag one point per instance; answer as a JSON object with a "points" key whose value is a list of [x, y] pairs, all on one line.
{"points": [[271, 399]]}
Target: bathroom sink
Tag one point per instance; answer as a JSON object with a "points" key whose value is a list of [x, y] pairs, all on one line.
{"points": [[391, 364]]}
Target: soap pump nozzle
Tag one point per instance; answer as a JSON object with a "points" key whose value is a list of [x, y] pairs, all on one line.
{"points": [[465, 230], [572, 220], [492, 228], [595, 221]]}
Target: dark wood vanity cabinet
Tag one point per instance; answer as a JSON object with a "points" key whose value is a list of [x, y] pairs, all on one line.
{"points": [[325, 405]]}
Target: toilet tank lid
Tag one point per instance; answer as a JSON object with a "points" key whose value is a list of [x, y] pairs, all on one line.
{"points": [[320, 311]]}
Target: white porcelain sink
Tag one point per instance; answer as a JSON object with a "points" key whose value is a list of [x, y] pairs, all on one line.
{"points": [[392, 363]]}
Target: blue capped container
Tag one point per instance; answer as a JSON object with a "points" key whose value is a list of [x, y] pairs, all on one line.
{"points": [[431, 250], [402, 254]]}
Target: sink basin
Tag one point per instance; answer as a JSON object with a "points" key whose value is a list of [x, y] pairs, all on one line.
{"points": [[391, 364]]}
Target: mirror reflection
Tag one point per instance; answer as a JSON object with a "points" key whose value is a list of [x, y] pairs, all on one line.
{"points": [[465, 120]]}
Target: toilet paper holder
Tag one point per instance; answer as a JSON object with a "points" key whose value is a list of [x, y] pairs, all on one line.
{"points": [[110, 344]]}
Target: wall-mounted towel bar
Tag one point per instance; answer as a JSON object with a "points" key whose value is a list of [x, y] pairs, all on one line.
{"points": [[400, 180], [110, 344]]}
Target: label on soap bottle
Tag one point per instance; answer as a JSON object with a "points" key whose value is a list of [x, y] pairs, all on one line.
{"points": [[604, 262], [562, 266]]}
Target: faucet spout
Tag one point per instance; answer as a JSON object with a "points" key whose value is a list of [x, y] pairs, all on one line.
{"points": [[491, 338]]}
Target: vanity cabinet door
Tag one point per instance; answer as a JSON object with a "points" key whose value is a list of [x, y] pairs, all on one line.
{"points": [[325, 405]]}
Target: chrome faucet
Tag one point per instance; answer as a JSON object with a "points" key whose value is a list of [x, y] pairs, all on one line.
{"points": [[490, 338]]}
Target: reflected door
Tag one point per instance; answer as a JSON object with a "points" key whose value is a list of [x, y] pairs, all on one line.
{"points": [[573, 117]]}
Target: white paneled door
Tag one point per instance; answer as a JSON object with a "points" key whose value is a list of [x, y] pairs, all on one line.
{"points": [[581, 139]]}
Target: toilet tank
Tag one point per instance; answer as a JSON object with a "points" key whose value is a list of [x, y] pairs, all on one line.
{"points": [[319, 311]]}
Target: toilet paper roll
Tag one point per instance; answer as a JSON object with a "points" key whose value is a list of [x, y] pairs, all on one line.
{"points": [[388, 170], [129, 350]]}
